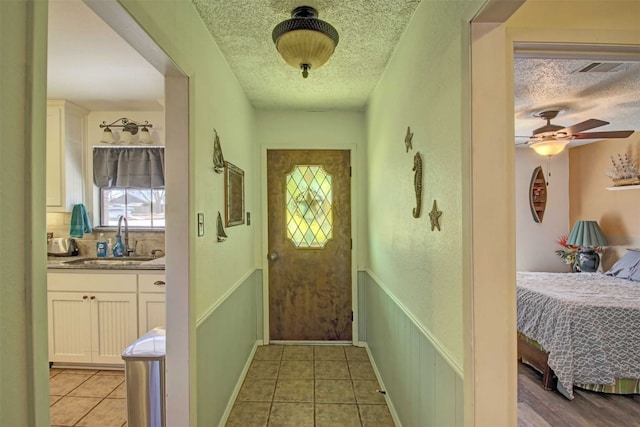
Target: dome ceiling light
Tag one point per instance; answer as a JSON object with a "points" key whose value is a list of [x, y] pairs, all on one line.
{"points": [[304, 41]]}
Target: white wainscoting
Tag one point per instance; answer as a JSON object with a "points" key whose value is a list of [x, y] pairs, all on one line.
{"points": [[424, 387], [226, 340]]}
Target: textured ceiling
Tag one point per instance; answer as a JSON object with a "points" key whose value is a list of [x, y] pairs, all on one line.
{"points": [[542, 84], [91, 65], [369, 31]]}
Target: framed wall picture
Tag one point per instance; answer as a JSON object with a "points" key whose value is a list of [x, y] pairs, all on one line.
{"points": [[233, 195]]}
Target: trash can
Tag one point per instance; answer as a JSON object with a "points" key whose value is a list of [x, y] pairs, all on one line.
{"points": [[144, 362]]}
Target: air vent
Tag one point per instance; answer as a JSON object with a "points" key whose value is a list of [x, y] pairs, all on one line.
{"points": [[603, 67]]}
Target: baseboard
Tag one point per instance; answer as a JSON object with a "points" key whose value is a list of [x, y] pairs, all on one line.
{"points": [[61, 365], [236, 390], [387, 398], [279, 342]]}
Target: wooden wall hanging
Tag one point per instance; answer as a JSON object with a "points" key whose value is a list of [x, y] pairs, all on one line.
{"points": [[537, 194], [221, 235], [218, 158]]}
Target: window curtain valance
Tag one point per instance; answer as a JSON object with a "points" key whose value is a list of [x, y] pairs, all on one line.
{"points": [[141, 167]]}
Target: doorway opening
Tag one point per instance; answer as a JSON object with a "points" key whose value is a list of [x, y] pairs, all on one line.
{"points": [[180, 331]]}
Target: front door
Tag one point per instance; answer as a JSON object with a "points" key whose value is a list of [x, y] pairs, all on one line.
{"points": [[309, 215]]}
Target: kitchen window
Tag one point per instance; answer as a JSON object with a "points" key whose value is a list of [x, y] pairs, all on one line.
{"points": [[131, 183], [143, 207]]}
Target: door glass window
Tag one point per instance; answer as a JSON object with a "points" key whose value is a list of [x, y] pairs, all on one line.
{"points": [[309, 214]]}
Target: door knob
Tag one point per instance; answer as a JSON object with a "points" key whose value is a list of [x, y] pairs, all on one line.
{"points": [[273, 256]]}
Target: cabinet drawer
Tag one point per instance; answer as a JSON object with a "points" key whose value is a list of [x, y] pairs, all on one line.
{"points": [[71, 282], [147, 283]]}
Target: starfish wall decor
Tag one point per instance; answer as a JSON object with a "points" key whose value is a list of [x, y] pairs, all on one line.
{"points": [[407, 139], [434, 216]]}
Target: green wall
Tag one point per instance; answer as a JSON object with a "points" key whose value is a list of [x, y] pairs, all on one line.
{"points": [[216, 101], [24, 396], [421, 88]]}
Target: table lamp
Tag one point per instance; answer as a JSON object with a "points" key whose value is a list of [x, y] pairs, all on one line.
{"points": [[587, 235]]}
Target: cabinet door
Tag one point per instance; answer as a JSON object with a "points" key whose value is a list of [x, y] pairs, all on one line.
{"points": [[69, 327], [55, 160], [114, 325], [151, 312]]}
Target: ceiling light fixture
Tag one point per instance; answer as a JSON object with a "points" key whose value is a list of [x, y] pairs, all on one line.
{"points": [[304, 41], [549, 146], [129, 128]]}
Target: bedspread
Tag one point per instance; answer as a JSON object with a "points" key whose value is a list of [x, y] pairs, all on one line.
{"points": [[588, 322]]}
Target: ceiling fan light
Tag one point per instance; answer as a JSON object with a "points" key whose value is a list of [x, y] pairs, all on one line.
{"points": [[304, 41], [549, 147]]}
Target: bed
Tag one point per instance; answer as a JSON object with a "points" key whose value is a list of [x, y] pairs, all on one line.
{"points": [[582, 328]]}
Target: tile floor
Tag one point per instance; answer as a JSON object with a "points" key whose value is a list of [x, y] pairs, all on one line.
{"points": [[89, 398], [318, 386]]}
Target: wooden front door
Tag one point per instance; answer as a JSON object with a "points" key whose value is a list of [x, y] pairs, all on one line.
{"points": [[309, 202]]}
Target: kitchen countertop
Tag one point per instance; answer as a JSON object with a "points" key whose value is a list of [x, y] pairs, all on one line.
{"points": [[61, 263]]}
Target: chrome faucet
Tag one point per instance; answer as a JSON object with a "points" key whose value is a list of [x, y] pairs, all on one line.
{"points": [[127, 251]]}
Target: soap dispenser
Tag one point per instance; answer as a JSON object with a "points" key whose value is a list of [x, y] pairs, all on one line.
{"points": [[101, 246], [118, 248]]}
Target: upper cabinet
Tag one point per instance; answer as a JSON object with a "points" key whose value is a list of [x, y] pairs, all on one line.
{"points": [[65, 152]]}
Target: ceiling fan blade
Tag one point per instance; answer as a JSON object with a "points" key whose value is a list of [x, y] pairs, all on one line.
{"points": [[603, 135], [586, 125]]}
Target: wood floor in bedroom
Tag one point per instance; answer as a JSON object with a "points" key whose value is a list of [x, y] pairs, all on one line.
{"points": [[541, 408]]}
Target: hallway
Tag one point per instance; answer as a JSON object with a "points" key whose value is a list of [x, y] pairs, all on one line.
{"points": [[292, 385]]}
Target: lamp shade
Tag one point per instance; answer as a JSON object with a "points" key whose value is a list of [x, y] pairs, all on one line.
{"points": [[107, 136], [145, 136], [549, 147], [304, 41], [126, 137], [587, 233]]}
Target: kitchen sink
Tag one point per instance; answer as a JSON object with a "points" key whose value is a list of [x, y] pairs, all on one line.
{"points": [[109, 261]]}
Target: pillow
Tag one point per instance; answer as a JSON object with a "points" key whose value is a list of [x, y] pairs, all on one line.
{"points": [[627, 267]]}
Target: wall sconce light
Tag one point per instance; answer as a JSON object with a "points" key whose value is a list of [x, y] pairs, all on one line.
{"points": [[304, 41], [129, 128]]}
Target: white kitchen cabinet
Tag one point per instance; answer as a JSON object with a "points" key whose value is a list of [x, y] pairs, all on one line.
{"points": [[92, 317], [69, 327], [151, 302], [66, 131]]}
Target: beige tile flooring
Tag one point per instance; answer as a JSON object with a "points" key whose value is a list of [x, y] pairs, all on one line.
{"points": [[299, 386], [89, 398]]}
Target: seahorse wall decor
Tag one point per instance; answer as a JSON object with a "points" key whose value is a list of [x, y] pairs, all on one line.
{"points": [[417, 183]]}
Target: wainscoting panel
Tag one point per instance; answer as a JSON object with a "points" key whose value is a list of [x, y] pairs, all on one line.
{"points": [[226, 337], [423, 387]]}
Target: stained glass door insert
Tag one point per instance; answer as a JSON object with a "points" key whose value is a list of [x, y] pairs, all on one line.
{"points": [[309, 206]]}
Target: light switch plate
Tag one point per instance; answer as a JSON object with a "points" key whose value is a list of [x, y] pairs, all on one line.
{"points": [[200, 224]]}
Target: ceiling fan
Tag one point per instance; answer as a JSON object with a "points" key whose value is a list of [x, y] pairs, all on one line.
{"points": [[550, 139]]}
